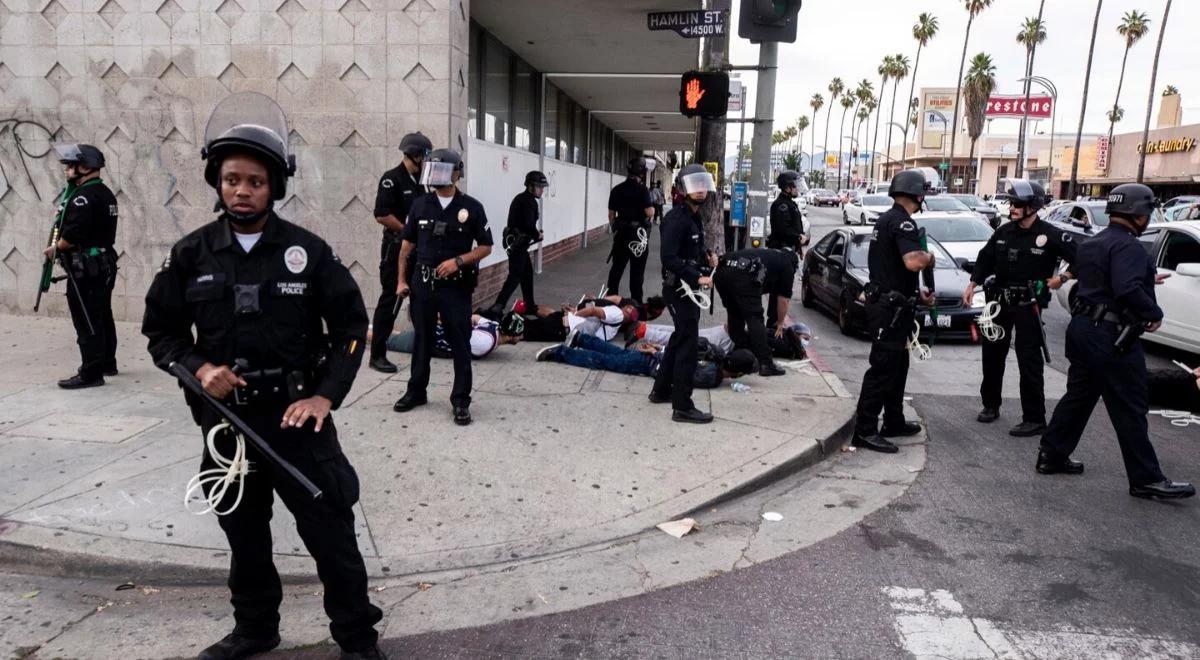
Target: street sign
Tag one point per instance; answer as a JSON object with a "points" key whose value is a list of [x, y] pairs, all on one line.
{"points": [[943, 166], [1102, 148], [714, 169], [737, 96], [691, 24], [737, 205], [704, 94]]}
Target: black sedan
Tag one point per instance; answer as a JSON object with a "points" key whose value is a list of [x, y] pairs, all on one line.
{"points": [[986, 211], [835, 272]]}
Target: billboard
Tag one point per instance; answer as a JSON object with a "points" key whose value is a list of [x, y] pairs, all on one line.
{"points": [[1041, 106], [932, 130]]}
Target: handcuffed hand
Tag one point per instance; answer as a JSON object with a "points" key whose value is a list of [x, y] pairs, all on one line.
{"points": [[219, 382], [297, 414]]}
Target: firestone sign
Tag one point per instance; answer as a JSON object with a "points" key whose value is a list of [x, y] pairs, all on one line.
{"points": [[1176, 145], [1040, 107]]}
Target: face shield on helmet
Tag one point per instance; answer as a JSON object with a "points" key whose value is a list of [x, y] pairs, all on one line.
{"points": [[249, 111], [437, 174], [1019, 193], [68, 154], [697, 182]]}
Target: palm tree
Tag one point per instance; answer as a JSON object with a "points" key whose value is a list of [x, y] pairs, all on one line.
{"points": [[836, 87], [973, 7], [899, 72], [864, 123], [1087, 80], [980, 83], [862, 94], [885, 74], [847, 103], [1033, 32], [924, 30], [816, 103], [801, 125], [1134, 25], [1162, 29]]}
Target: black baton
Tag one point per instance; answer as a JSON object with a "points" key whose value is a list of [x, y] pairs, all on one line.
{"points": [[189, 381]]}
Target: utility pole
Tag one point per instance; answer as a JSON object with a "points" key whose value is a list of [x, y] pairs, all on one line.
{"points": [[710, 144], [760, 146], [1022, 134]]}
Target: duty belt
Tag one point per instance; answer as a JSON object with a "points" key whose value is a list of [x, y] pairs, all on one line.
{"points": [[1015, 294], [272, 386], [1097, 313], [750, 266], [428, 275]]}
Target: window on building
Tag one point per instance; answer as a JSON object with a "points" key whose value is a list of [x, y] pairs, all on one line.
{"points": [[473, 83], [550, 139], [497, 101], [526, 87], [580, 144], [1001, 175], [566, 128]]}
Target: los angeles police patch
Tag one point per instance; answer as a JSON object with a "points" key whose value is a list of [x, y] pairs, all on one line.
{"points": [[80, 201], [1040, 241], [463, 215], [908, 225], [386, 183], [296, 259]]}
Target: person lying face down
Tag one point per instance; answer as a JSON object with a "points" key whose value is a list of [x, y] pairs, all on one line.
{"points": [[606, 318], [486, 336], [592, 352]]}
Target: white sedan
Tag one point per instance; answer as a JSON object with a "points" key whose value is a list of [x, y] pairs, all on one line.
{"points": [[866, 209], [1174, 249], [963, 237]]}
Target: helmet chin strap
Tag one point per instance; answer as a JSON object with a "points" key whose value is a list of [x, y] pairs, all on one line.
{"points": [[242, 219]]}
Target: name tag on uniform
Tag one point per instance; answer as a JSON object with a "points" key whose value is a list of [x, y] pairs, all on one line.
{"points": [[1038, 251], [204, 278], [291, 288]]}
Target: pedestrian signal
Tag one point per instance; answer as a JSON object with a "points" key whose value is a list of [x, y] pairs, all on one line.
{"points": [[768, 20], [704, 94]]}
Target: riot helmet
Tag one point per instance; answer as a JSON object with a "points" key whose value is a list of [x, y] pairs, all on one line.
{"points": [[512, 324], [694, 178], [637, 166], [440, 166], [416, 146], [787, 179], [80, 154], [910, 183], [1024, 194], [536, 179], [248, 123], [1131, 201]]}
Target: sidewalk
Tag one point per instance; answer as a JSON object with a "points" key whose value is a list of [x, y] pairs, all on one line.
{"points": [[558, 457]]}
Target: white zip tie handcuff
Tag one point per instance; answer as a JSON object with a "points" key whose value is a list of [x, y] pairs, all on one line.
{"points": [[229, 473], [702, 299], [1177, 417], [638, 247], [987, 321], [922, 351]]}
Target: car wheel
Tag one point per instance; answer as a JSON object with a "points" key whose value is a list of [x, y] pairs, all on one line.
{"points": [[806, 295], [843, 316]]}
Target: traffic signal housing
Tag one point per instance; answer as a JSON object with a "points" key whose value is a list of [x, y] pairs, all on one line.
{"points": [[768, 20], [704, 94]]}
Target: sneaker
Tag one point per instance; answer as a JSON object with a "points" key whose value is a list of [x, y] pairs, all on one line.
{"points": [[548, 354]]}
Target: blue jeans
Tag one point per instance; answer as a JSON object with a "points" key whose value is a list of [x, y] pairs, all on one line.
{"points": [[595, 353]]}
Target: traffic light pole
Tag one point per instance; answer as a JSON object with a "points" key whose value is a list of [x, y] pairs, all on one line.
{"points": [[760, 146]]}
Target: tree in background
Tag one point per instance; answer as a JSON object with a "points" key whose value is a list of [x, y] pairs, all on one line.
{"points": [[1033, 33], [974, 8], [1087, 80], [847, 103], [885, 74], [816, 103], [1162, 30], [1171, 90], [900, 70], [980, 83], [925, 29], [836, 87], [1134, 25]]}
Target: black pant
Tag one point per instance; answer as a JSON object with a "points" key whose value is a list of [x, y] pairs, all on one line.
{"points": [[742, 296], [883, 383], [545, 328], [1098, 370], [520, 271], [325, 525], [453, 304], [677, 372], [386, 309], [1024, 319], [622, 255], [98, 343]]}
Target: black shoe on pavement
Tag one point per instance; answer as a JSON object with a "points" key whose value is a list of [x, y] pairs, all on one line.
{"points": [[988, 415], [383, 365], [235, 647], [771, 369], [572, 340], [656, 397], [693, 416], [1027, 429], [1049, 464], [1164, 490], [462, 415], [874, 443], [548, 354], [111, 370], [78, 382], [902, 431], [373, 653], [408, 402]]}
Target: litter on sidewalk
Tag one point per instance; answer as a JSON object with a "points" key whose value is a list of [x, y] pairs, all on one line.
{"points": [[679, 528], [772, 516]]}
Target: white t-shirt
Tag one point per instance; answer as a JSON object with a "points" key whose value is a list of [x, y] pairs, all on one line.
{"points": [[606, 330], [248, 241], [716, 335], [444, 201]]}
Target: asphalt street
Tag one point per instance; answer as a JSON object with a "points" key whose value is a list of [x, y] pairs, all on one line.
{"points": [[982, 557]]}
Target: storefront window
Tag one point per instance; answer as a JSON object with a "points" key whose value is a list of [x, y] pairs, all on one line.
{"points": [[526, 86], [580, 144], [497, 70], [473, 86], [550, 139], [566, 128]]}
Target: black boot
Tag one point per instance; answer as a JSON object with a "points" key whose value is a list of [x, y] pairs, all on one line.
{"points": [[693, 416], [235, 647], [988, 415], [372, 653], [658, 397], [1164, 490], [409, 401], [900, 431], [1049, 464], [79, 381], [874, 443], [1027, 429], [462, 415], [771, 369], [382, 365]]}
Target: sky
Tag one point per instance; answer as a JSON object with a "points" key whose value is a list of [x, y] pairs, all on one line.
{"points": [[849, 38]]}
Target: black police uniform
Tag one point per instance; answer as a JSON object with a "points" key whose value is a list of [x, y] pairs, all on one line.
{"points": [[629, 200], [397, 190], [741, 279], [89, 223], [439, 234], [682, 253], [1021, 260], [1114, 271], [520, 233], [891, 302], [787, 224], [272, 308]]}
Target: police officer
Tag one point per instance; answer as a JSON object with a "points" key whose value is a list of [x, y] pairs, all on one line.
{"points": [[1114, 304], [88, 213], [1022, 256], [787, 223], [895, 258], [398, 188], [280, 329], [630, 212], [741, 279], [684, 270], [449, 233], [520, 233]]}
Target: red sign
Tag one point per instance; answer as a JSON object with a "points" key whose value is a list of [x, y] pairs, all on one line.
{"points": [[1102, 149], [1040, 107]]}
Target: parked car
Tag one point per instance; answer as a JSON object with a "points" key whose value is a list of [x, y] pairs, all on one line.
{"points": [[835, 271], [1189, 211], [1080, 219], [987, 212], [962, 237], [1182, 199], [866, 209], [824, 197], [1174, 249]]}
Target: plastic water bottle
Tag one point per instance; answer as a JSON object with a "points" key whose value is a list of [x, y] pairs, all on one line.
{"points": [[739, 387]]}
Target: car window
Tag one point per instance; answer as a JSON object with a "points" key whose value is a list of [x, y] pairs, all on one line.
{"points": [[1181, 248], [877, 200], [1099, 215], [860, 250], [969, 200], [1148, 239], [962, 229], [822, 247], [1079, 213], [839, 246], [944, 204]]}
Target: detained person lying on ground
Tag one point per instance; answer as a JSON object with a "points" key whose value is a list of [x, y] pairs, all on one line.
{"points": [[486, 336], [606, 318], [592, 352]]}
